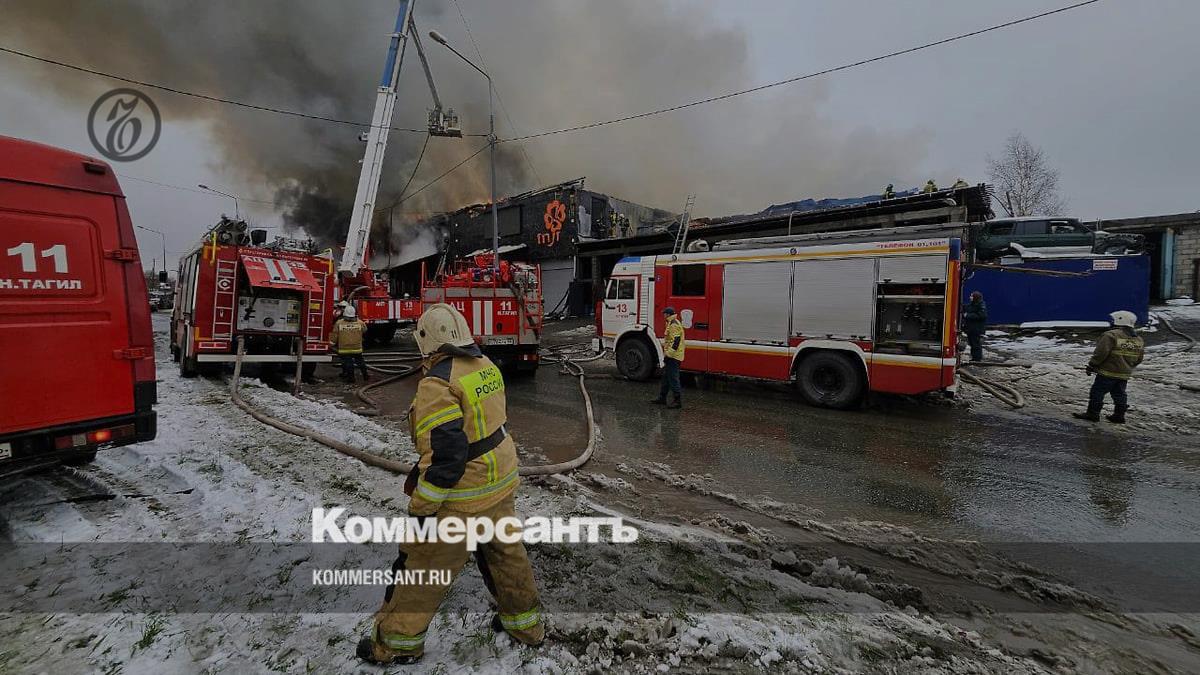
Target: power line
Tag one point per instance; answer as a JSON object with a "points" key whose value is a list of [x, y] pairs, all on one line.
{"points": [[416, 167], [207, 97], [791, 80], [503, 108], [447, 172], [188, 189]]}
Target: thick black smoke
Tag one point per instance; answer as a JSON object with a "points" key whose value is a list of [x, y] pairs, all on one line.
{"points": [[556, 62]]}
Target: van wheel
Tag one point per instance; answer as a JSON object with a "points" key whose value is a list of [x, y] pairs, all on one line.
{"points": [[188, 368], [175, 353], [379, 334], [830, 380], [635, 359]]}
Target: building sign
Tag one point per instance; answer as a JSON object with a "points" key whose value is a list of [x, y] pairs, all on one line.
{"points": [[1109, 264], [553, 219]]}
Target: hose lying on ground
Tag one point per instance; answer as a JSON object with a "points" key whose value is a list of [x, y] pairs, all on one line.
{"points": [[394, 466], [1167, 322], [1004, 393]]}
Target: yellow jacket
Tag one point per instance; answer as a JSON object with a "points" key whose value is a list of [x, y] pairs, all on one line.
{"points": [[673, 340], [347, 336], [457, 424]]}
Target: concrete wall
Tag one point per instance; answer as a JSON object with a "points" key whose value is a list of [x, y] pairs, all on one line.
{"points": [[1187, 251], [1186, 229]]}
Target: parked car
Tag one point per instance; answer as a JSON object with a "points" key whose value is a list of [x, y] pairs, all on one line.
{"points": [[996, 237], [77, 364]]}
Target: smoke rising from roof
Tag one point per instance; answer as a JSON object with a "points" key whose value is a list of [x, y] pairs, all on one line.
{"points": [[556, 62]]}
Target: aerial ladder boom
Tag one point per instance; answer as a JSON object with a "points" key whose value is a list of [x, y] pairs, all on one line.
{"points": [[359, 234]]}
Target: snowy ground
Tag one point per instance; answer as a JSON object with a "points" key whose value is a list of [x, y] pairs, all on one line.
{"points": [[246, 483], [1053, 378]]}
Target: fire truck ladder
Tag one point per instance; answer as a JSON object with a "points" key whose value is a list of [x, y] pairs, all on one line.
{"points": [[316, 311], [223, 300], [684, 222]]}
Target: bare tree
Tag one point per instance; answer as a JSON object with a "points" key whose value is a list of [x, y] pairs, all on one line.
{"points": [[1025, 183]]}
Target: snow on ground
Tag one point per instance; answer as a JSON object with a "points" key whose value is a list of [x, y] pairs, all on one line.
{"points": [[249, 483], [1053, 377]]}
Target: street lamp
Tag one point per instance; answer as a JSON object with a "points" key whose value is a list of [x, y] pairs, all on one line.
{"points": [[441, 39], [236, 214], [164, 242]]}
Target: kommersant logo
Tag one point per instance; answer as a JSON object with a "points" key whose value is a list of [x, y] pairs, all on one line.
{"points": [[328, 526]]}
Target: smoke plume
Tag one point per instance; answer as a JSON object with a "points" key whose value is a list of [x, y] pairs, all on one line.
{"points": [[555, 63]]}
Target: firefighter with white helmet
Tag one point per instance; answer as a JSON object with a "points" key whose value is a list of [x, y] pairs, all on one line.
{"points": [[347, 340], [1118, 352], [467, 469]]}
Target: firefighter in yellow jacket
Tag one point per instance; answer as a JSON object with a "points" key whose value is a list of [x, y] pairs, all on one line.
{"points": [[467, 469], [673, 344], [347, 339]]}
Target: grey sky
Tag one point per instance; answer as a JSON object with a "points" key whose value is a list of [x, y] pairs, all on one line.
{"points": [[1109, 91]]}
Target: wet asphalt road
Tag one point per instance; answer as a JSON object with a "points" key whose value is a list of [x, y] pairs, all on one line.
{"points": [[938, 468]]}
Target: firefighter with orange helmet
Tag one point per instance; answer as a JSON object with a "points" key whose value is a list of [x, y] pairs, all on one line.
{"points": [[467, 468]]}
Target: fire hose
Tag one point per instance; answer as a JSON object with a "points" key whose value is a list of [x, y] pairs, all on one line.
{"points": [[403, 468], [1004, 393]]}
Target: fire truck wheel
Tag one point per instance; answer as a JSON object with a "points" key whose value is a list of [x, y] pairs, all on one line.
{"points": [[830, 379], [635, 359]]}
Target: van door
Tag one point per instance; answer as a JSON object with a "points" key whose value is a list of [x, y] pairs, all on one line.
{"points": [[64, 332]]}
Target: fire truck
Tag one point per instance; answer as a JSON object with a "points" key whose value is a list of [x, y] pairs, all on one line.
{"points": [[836, 319], [368, 291], [235, 287], [502, 304]]}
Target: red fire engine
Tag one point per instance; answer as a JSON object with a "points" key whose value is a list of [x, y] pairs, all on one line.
{"points": [[837, 319], [236, 287], [503, 305], [368, 291]]}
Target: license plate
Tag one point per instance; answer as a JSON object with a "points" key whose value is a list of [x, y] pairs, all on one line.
{"points": [[502, 341], [5, 450]]}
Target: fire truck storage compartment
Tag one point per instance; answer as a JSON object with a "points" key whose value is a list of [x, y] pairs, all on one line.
{"points": [[279, 314], [911, 305], [833, 298], [753, 309]]}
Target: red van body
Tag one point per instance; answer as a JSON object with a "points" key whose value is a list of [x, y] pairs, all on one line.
{"points": [[76, 350]]}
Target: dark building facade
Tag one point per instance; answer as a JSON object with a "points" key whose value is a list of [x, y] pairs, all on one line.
{"points": [[546, 226]]}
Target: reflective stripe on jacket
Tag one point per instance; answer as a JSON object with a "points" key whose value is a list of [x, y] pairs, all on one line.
{"points": [[1118, 352], [457, 424], [674, 342], [347, 336]]}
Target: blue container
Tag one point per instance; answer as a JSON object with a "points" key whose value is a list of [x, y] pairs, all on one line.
{"points": [[1107, 284]]}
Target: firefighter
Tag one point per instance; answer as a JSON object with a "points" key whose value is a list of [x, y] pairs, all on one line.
{"points": [[930, 186], [1118, 352], [960, 183], [347, 339], [889, 192], [975, 323], [467, 468], [673, 344]]}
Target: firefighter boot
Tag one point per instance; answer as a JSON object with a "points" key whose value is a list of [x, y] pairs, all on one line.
{"points": [[370, 651], [676, 401], [1118, 416], [1092, 414], [498, 627]]}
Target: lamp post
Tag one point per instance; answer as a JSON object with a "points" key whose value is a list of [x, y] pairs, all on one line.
{"points": [[164, 242], [441, 39], [236, 213]]}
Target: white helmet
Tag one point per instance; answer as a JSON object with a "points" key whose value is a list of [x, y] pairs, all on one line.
{"points": [[349, 312], [441, 324], [1123, 318]]}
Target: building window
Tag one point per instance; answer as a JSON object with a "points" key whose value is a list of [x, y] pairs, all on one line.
{"points": [[687, 280], [509, 220]]}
